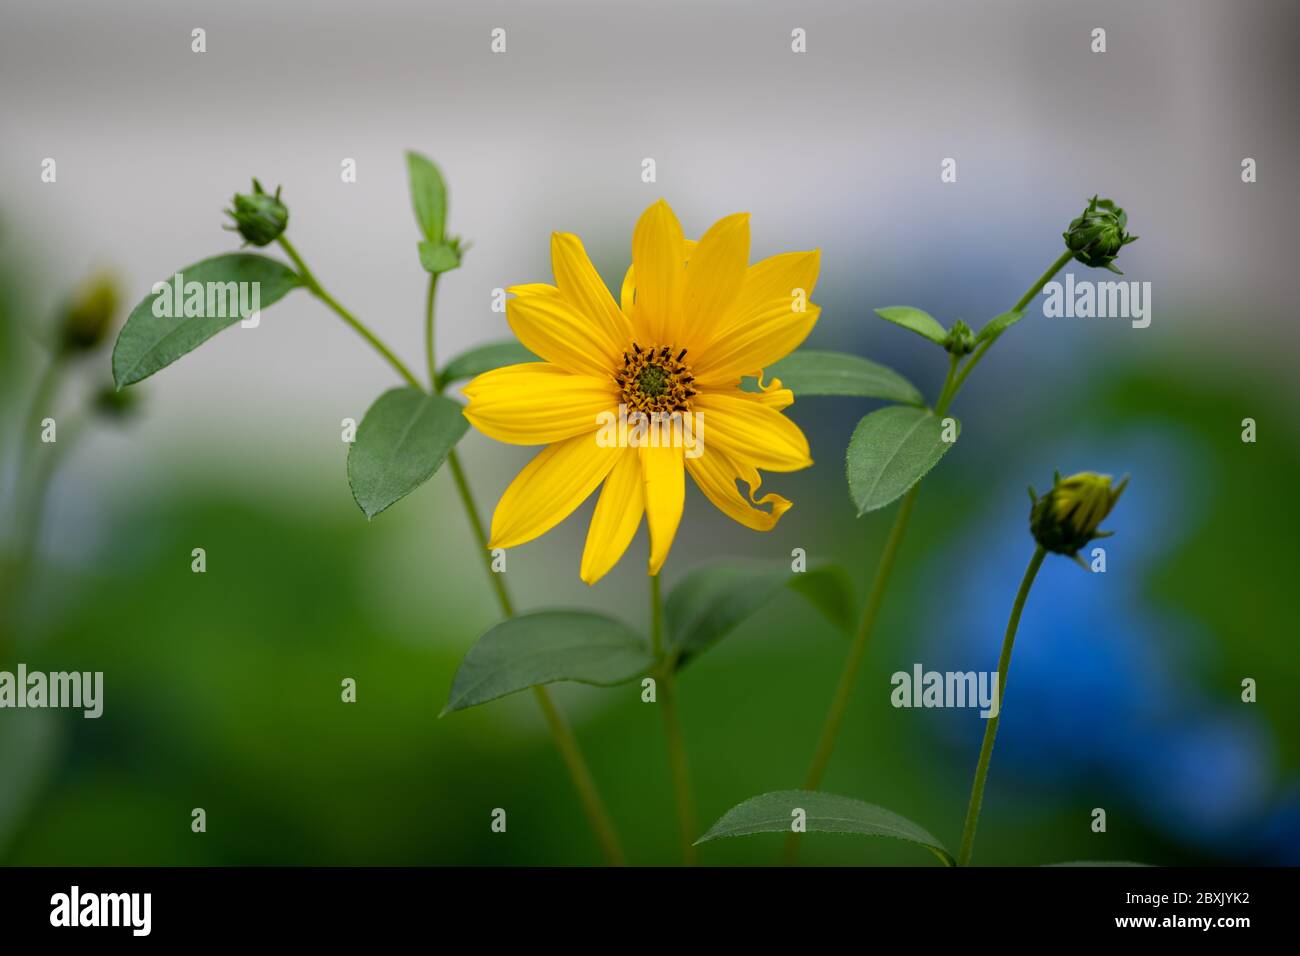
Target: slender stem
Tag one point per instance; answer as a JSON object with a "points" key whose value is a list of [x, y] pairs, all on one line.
{"points": [[677, 763], [565, 741], [1025, 299], [951, 386], [567, 744], [656, 617], [47, 386], [1045, 278], [29, 492], [33, 516], [991, 728], [857, 650], [948, 383], [428, 332], [480, 534], [317, 290], [582, 779]]}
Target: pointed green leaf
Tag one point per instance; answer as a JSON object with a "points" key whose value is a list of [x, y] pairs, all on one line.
{"points": [[547, 646], [149, 342], [999, 324], [809, 372], [710, 602], [829, 589], [922, 323], [826, 813], [428, 196], [402, 441], [439, 257], [890, 451], [485, 358], [713, 600]]}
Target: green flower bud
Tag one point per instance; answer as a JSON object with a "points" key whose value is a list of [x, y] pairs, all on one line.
{"points": [[961, 339], [1097, 236], [259, 217], [88, 317], [1067, 517], [116, 403]]}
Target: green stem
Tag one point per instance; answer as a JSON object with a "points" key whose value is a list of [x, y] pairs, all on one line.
{"points": [[1020, 306], [565, 741], [857, 650], [677, 763], [29, 493], [42, 406], [830, 729], [560, 730], [582, 779], [991, 728], [428, 332], [316, 289]]}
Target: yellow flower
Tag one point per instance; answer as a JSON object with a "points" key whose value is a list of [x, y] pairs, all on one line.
{"points": [[694, 318]]}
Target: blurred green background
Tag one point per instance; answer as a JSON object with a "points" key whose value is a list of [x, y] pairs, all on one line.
{"points": [[223, 689]]}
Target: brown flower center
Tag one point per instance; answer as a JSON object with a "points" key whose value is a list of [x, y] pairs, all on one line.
{"points": [[655, 380]]}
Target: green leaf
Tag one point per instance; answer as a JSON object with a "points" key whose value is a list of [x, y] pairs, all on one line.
{"points": [[149, 342], [547, 646], [890, 451], [428, 196], [830, 590], [810, 372], [922, 323], [439, 257], [826, 813], [713, 600], [999, 324], [485, 358], [402, 441]]}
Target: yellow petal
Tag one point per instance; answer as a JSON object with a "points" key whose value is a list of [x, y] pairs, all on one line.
{"points": [[627, 294], [581, 284], [777, 278], [534, 288], [554, 329], [536, 403], [659, 260], [549, 488], [749, 431], [714, 278], [771, 393], [716, 475], [665, 496], [755, 342], [615, 520]]}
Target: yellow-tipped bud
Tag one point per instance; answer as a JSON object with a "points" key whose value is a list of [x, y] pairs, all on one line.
{"points": [[89, 315], [1069, 516]]}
